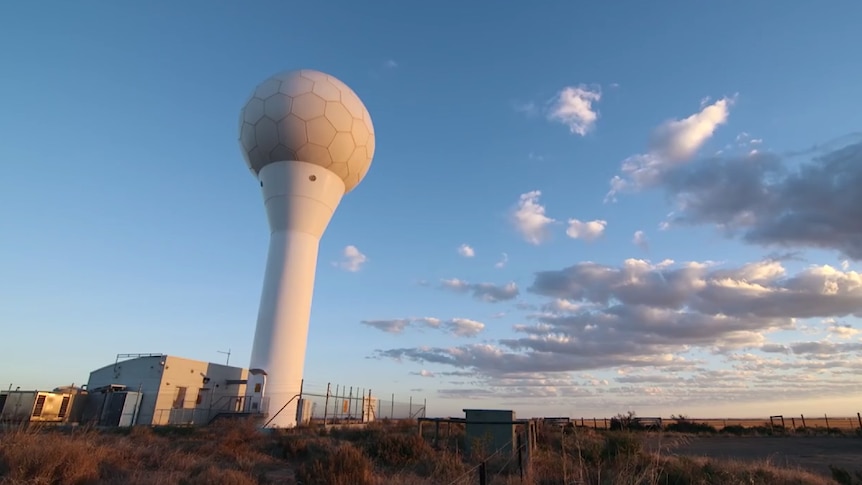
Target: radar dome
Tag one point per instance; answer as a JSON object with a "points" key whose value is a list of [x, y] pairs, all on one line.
{"points": [[308, 116]]}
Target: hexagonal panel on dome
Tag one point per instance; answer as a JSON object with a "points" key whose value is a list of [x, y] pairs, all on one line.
{"points": [[327, 90], [293, 85], [281, 153], [267, 88], [340, 169], [277, 106], [253, 110], [255, 158], [320, 131], [291, 132], [246, 136], [308, 106], [338, 115], [369, 146], [352, 103], [341, 148], [315, 154], [360, 132], [358, 157], [266, 134], [313, 75]]}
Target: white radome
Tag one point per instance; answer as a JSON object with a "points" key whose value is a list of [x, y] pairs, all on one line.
{"points": [[308, 116]]}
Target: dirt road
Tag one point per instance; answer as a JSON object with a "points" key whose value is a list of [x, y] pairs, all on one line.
{"points": [[814, 453]]}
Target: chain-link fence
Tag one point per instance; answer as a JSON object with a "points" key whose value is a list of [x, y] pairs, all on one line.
{"points": [[320, 403], [337, 403]]}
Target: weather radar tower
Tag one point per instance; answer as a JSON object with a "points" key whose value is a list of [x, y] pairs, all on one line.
{"points": [[308, 139]]}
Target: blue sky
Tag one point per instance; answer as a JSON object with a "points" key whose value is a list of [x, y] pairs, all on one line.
{"points": [[129, 223]]}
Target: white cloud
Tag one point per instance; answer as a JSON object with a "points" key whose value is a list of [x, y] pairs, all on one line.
{"points": [[389, 326], [483, 291], [466, 251], [573, 107], [672, 143], [352, 259], [502, 262], [390, 63], [766, 198], [464, 327], [458, 327], [640, 240], [841, 330], [588, 231], [529, 218], [648, 315]]}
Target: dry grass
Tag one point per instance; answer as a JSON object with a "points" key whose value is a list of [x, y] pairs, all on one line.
{"points": [[384, 453]]}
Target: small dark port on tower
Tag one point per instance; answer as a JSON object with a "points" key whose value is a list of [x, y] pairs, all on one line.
{"points": [[312, 177]]}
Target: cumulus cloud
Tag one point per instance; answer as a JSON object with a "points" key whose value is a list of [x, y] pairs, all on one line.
{"points": [[466, 251], [761, 289], [459, 327], [529, 218], [807, 199], [640, 240], [464, 327], [502, 262], [352, 259], [762, 199], [588, 231], [679, 140], [644, 315], [483, 291], [388, 326], [573, 107], [672, 143]]}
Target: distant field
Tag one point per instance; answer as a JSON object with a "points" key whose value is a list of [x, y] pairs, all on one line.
{"points": [[843, 423], [840, 422], [813, 453]]}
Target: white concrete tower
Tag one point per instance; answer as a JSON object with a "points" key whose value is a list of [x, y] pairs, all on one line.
{"points": [[309, 140]]}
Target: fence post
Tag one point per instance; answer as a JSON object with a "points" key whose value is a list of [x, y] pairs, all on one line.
{"points": [[335, 403], [424, 407], [859, 418], [521, 456], [392, 407], [326, 405], [483, 478], [803, 420], [827, 422], [410, 409]]}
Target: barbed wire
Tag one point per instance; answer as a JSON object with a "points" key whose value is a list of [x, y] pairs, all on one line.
{"points": [[483, 461]]}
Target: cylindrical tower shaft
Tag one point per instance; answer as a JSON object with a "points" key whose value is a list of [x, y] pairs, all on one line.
{"points": [[300, 199]]}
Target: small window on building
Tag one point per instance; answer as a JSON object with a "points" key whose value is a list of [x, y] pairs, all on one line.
{"points": [[64, 407], [180, 399], [40, 405]]}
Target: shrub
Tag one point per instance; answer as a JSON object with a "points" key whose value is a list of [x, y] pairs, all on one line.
{"points": [[683, 424], [621, 444], [734, 429], [341, 465], [398, 450]]}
